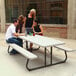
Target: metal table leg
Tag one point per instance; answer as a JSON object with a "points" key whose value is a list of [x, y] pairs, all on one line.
{"points": [[45, 59], [26, 44], [51, 56], [8, 48], [59, 61], [30, 69]]}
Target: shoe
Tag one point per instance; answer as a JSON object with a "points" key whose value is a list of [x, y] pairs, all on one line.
{"points": [[29, 49], [13, 52]]}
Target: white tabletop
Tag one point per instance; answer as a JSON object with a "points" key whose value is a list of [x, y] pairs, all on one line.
{"points": [[42, 40]]}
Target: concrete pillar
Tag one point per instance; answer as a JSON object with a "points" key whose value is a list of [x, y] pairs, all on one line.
{"points": [[2, 13], [71, 19]]}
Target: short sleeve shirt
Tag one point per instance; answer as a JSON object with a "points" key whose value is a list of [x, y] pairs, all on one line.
{"points": [[9, 33]]}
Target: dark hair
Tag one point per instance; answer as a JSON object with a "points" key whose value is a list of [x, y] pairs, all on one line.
{"points": [[21, 19], [36, 21], [14, 20]]}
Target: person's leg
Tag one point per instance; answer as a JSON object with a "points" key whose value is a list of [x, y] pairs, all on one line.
{"points": [[27, 32], [11, 40], [21, 41], [14, 40], [31, 44]]}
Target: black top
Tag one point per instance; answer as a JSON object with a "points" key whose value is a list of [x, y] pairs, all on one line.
{"points": [[37, 28], [29, 22]]}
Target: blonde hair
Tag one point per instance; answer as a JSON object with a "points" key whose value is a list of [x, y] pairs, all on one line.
{"points": [[33, 10], [33, 13]]}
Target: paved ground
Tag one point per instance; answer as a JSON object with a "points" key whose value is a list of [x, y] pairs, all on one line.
{"points": [[15, 65]]}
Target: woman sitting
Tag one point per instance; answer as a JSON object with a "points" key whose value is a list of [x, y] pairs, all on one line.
{"points": [[37, 29]]}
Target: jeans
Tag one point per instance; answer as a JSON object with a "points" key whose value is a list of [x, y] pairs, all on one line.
{"points": [[16, 41], [21, 41]]}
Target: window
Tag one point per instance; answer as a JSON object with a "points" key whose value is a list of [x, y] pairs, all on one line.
{"points": [[48, 11]]}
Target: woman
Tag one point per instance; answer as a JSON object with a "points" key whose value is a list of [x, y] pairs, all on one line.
{"points": [[19, 27], [29, 24], [37, 29], [21, 22], [29, 20]]}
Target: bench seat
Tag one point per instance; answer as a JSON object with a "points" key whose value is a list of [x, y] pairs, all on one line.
{"points": [[63, 48], [23, 51]]}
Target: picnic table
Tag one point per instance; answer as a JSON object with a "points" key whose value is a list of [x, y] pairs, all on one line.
{"points": [[45, 42]]}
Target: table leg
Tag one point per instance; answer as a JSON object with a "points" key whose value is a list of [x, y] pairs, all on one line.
{"points": [[26, 44], [51, 56], [59, 61], [8, 49], [45, 56], [45, 59]]}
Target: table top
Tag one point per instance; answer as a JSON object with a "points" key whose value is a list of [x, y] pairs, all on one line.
{"points": [[42, 40]]}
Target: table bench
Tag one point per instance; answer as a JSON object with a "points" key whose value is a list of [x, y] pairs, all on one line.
{"points": [[24, 52], [63, 48]]}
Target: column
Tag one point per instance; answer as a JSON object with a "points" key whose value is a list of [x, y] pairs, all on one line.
{"points": [[2, 13], [71, 19]]}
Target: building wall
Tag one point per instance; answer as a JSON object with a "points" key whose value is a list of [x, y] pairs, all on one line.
{"points": [[63, 32], [60, 32], [48, 12]]}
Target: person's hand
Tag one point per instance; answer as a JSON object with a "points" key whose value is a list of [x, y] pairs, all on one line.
{"points": [[17, 34], [36, 32], [22, 34]]}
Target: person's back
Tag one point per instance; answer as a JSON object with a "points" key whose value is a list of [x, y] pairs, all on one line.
{"points": [[29, 23], [10, 31], [20, 24]]}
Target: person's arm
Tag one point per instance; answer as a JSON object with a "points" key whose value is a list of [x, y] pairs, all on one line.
{"points": [[33, 27], [24, 21], [41, 30], [23, 29], [18, 34]]}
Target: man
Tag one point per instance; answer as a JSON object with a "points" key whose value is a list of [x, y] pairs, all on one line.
{"points": [[11, 35]]}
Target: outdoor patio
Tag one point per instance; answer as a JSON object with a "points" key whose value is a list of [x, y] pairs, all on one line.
{"points": [[15, 65]]}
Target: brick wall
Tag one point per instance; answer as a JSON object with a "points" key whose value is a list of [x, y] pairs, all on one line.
{"points": [[60, 32]]}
